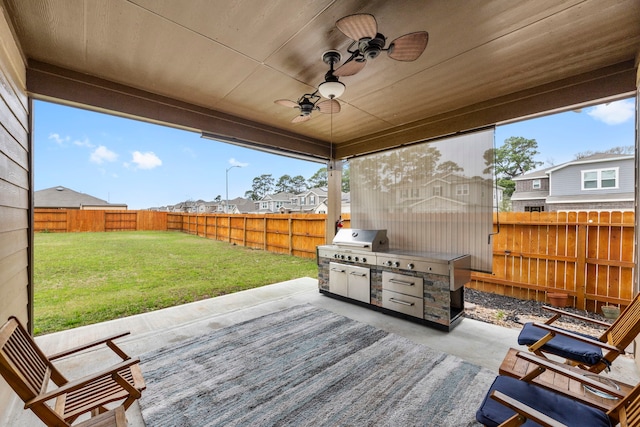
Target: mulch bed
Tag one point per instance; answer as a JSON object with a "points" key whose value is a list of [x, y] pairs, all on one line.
{"points": [[513, 313]]}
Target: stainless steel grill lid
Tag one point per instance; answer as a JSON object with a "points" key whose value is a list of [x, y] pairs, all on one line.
{"points": [[369, 240]]}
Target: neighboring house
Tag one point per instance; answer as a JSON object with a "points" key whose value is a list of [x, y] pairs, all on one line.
{"points": [[597, 182], [531, 192], [446, 193], [242, 205], [274, 203], [323, 208], [65, 198], [309, 200]]}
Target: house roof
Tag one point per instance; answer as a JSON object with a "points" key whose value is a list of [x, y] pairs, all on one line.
{"points": [[62, 197], [595, 158], [542, 173], [218, 67]]}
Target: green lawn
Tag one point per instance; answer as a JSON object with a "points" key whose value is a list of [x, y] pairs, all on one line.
{"points": [[85, 278]]}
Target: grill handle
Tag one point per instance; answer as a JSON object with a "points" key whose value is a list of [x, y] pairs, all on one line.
{"points": [[338, 270], [352, 244], [354, 273]]}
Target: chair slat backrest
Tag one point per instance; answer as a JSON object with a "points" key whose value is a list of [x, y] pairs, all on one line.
{"points": [[626, 327], [627, 411], [22, 364]]}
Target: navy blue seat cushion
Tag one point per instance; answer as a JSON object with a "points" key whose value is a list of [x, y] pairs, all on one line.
{"points": [[561, 408], [561, 345]]}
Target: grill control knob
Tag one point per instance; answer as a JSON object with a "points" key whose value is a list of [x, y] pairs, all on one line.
{"points": [[364, 260], [349, 258], [410, 266], [396, 264], [388, 263], [342, 256], [356, 259]]}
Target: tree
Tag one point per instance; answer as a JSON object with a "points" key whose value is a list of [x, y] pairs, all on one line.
{"points": [[284, 184], [346, 182], [261, 186], [448, 167], [298, 184], [319, 179], [515, 157], [288, 184]]}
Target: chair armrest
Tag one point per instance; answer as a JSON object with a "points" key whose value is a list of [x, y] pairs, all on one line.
{"points": [[576, 316], [107, 340], [525, 411], [570, 373], [81, 382], [582, 338]]}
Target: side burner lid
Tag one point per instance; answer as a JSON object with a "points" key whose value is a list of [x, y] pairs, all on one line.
{"points": [[370, 240]]}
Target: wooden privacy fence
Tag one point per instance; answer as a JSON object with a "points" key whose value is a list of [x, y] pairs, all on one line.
{"points": [[588, 255], [293, 234]]}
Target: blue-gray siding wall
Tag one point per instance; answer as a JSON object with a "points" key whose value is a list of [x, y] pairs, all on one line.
{"points": [[568, 180]]}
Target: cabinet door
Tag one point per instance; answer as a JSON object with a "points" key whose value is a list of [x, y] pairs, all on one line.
{"points": [[360, 284], [338, 279]]}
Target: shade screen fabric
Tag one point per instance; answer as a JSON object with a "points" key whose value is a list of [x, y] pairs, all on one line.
{"points": [[430, 197]]}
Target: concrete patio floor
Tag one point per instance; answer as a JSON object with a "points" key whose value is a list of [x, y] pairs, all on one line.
{"points": [[477, 342]]}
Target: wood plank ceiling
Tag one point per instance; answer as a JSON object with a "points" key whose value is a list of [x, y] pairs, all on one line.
{"points": [[228, 60]]}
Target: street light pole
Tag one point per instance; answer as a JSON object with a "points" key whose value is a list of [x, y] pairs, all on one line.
{"points": [[226, 206]]}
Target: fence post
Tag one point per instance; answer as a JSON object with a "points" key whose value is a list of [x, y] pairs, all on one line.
{"points": [[581, 265], [244, 232], [290, 236]]}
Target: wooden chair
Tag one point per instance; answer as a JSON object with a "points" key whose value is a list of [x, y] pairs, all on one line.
{"points": [[512, 402], [594, 354], [46, 392]]}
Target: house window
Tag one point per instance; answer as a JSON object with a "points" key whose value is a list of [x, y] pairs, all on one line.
{"points": [[437, 190], [264, 205], [462, 190], [312, 200], [415, 192], [600, 178], [534, 208], [404, 193], [536, 184], [279, 204]]}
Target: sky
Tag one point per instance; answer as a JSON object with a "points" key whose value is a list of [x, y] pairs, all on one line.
{"points": [[145, 165]]}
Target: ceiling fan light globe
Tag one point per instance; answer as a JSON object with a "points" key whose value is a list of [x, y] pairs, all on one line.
{"points": [[331, 90]]}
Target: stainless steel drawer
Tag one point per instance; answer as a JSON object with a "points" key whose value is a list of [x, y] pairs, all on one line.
{"points": [[413, 306], [403, 284]]}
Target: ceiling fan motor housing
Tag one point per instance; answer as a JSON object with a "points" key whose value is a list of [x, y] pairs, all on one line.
{"points": [[371, 48]]}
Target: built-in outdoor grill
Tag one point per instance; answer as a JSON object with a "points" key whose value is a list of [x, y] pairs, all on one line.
{"points": [[425, 286]]}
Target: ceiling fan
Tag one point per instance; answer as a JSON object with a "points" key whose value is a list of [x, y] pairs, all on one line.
{"points": [[308, 103], [368, 43]]}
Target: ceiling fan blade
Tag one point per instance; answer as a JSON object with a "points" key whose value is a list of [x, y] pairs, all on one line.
{"points": [[358, 26], [408, 47], [350, 68], [301, 118], [329, 106], [287, 103]]}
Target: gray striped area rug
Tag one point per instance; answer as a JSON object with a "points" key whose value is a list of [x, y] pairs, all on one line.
{"points": [[306, 366]]}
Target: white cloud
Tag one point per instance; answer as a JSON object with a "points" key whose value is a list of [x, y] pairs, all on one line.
{"points": [[58, 139], [103, 154], [234, 162], [84, 143], [146, 160], [613, 113]]}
